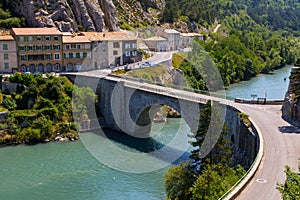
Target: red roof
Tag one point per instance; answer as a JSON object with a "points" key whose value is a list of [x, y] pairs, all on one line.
{"points": [[36, 31]]}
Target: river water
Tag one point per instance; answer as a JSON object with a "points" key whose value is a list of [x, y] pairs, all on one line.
{"points": [[70, 171]]}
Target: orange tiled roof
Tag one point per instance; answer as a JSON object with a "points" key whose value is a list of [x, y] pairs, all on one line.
{"points": [[6, 37], [108, 36], [36, 31], [75, 39]]}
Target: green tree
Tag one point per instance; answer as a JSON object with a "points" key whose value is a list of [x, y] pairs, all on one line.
{"points": [[215, 180], [290, 190], [9, 103], [219, 147], [178, 181]]}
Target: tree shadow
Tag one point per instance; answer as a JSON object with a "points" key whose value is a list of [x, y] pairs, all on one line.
{"points": [[289, 129]]}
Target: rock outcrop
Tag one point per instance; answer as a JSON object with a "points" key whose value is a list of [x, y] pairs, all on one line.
{"points": [[291, 104], [139, 13], [69, 15]]}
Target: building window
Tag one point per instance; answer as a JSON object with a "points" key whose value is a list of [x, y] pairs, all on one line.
{"points": [[116, 45], [5, 47], [73, 46], [6, 65], [127, 53], [21, 39], [30, 48], [47, 38], [67, 46], [5, 56], [39, 38], [23, 58], [78, 46], [39, 48], [115, 53], [84, 55], [30, 38], [77, 55], [48, 47], [56, 47], [87, 46], [56, 56], [133, 45], [71, 55], [22, 48], [48, 56], [56, 38], [134, 53], [127, 46]]}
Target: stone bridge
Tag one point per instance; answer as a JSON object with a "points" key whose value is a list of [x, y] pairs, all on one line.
{"points": [[129, 106], [268, 146]]}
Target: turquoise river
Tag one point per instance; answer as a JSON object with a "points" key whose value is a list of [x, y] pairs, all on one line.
{"points": [[69, 171]]}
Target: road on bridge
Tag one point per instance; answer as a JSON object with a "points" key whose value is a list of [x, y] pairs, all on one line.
{"points": [[282, 147]]}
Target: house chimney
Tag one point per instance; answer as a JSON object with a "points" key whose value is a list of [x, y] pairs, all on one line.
{"points": [[103, 34]]}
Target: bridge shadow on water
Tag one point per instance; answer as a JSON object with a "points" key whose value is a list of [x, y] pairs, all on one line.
{"points": [[142, 145]]}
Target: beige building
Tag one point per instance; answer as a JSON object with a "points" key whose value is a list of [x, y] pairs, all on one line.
{"points": [[77, 52], [173, 38], [187, 38], [8, 54], [157, 43], [112, 49], [39, 49]]}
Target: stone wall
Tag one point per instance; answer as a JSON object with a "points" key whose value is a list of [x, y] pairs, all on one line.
{"points": [[11, 87], [245, 139], [291, 104]]}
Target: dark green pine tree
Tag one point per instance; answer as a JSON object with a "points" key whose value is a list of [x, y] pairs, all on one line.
{"points": [[198, 136], [219, 147]]}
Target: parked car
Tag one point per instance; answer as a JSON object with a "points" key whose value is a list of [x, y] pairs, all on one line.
{"points": [[144, 65], [150, 64]]}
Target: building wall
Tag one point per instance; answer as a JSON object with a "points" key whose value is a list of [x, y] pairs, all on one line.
{"points": [[39, 55], [75, 54], [157, 45], [115, 53], [162, 46], [130, 53], [99, 59], [8, 57]]}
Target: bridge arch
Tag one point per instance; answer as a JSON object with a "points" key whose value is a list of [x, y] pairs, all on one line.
{"points": [[134, 115]]}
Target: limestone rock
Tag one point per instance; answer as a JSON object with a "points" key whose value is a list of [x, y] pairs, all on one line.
{"points": [[291, 104], [67, 15]]}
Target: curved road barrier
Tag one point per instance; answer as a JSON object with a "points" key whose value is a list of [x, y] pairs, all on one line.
{"points": [[242, 183]]}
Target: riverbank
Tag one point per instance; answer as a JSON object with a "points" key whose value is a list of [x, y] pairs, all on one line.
{"points": [[42, 109]]}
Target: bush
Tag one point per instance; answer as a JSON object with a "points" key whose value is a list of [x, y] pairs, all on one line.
{"points": [[9, 103]]}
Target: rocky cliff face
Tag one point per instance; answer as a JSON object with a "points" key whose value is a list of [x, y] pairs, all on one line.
{"points": [[291, 104], [69, 15], [139, 13]]}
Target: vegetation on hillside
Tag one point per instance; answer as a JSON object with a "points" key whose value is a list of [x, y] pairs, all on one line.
{"points": [[242, 55], [205, 176], [8, 19], [273, 14], [41, 109]]}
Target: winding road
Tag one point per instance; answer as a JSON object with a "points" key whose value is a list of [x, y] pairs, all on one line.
{"points": [[281, 148]]}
